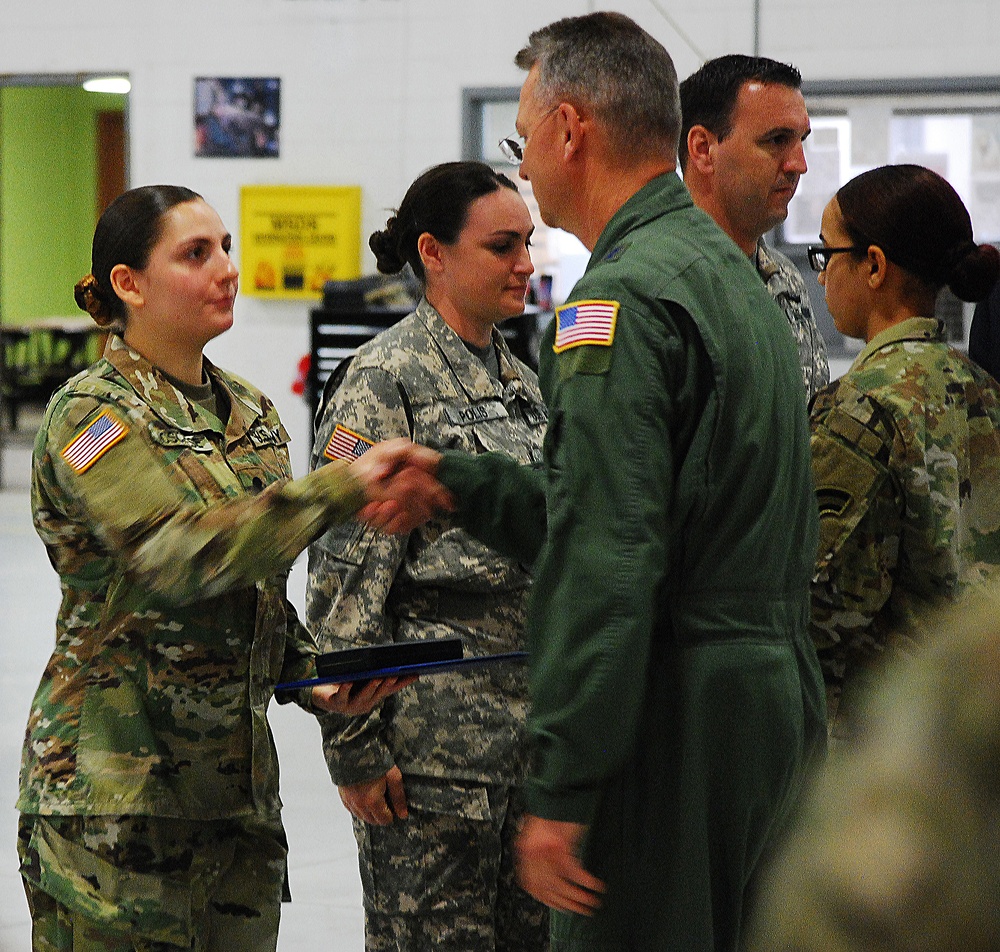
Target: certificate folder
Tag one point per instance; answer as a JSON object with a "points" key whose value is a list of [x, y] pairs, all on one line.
{"points": [[396, 660], [373, 657]]}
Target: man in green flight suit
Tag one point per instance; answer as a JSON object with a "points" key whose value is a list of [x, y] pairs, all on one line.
{"points": [[676, 697]]}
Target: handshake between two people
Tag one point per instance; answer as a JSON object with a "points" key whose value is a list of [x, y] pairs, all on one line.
{"points": [[400, 484]]}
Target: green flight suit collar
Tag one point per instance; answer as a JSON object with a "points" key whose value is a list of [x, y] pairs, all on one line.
{"points": [[660, 196], [913, 328], [171, 406]]}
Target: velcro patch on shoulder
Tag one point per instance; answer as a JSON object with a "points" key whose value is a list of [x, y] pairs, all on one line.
{"points": [[346, 444], [88, 446], [585, 322]]}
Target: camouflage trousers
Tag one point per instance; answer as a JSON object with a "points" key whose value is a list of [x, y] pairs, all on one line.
{"points": [[152, 884], [443, 879]]}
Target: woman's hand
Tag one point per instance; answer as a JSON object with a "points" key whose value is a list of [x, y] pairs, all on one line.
{"points": [[344, 699], [377, 801]]}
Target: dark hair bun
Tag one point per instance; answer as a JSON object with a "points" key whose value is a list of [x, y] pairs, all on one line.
{"points": [[385, 246], [88, 296], [975, 272]]}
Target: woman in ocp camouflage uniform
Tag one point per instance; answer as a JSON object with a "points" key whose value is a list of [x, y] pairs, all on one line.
{"points": [[906, 446], [433, 782], [161, 489]]}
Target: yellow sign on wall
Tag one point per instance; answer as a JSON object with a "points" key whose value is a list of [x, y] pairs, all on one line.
{"points": [[293, 238]]}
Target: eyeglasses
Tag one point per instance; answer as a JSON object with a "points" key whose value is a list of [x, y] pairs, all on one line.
{"points": [[819, 255], [513, 151]]}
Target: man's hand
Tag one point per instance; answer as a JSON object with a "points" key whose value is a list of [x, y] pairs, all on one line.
{"points": [[341, 699], [549, 869], [377, 801], [399, 481]]}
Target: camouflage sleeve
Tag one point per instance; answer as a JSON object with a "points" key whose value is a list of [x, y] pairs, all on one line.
{"points": [[859, 507], [299, 661], [180, 547], [351, 571]]}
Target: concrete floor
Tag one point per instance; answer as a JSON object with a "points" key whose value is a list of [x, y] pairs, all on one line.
{"points": [[326, 909]]}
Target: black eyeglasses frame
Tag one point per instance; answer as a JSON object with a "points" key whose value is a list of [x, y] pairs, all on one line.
{"points": [[819, 255]]}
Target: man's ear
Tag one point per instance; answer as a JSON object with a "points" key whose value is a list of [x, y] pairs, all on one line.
{"points": [[573, 125], [125, 285], [429, 249], [701, 149]]}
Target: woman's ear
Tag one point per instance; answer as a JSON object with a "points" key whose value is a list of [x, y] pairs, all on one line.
{"points": [[429, 249], [126, 286], [877, 263]]}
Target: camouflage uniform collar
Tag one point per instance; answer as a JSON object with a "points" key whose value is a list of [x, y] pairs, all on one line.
{"points": [[169, 404], [469, 371], [766, 265], [924, 329]]}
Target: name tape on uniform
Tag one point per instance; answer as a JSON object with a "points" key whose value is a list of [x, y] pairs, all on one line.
{"points": [[346, 444], [585, 322], [88, 447]]}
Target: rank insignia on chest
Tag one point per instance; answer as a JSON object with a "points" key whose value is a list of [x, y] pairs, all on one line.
{"points": [[346, 444], [88, 447], [585, 322]]}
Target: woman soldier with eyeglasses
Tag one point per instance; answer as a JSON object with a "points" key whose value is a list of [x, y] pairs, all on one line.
{"points": [[906, 445]]}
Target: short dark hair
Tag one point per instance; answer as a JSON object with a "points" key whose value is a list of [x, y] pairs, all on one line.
{"points": [[437, 203], [126, 233], [609, 63], [708, 95], [921, 224]]}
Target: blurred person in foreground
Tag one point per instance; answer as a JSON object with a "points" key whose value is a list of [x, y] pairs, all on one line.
{"points": [[434, 777], [150, 816], [906, 445], [744, 122], [895, 849], [675, 696]]}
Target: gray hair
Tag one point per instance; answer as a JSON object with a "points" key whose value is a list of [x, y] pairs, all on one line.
{"points": [[608, 62]]}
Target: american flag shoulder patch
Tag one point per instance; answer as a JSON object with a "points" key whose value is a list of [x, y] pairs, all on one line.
{"points": [[346, 444], [88, 447], [585, 322]]}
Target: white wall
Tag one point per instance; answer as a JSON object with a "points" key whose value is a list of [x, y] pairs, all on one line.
{"points": [[371, 90]]}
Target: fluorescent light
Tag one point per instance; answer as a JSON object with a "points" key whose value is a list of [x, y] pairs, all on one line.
{"points": [[107, 84]]}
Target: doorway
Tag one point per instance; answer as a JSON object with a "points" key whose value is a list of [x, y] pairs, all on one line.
{"points": [[63, 158]]}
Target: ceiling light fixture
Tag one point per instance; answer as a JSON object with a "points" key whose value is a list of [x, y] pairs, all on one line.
{"points": [[107, 84]]}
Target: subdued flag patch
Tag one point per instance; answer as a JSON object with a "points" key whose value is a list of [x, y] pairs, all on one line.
{"points": [[346, 444], [585, 322], [88, 447]]}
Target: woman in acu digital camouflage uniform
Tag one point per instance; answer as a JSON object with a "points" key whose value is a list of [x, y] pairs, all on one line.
{"points": [[906, 446], [433, 782], [160, 487]]}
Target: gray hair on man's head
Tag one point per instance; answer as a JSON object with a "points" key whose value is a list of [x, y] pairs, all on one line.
{"points": [[607, 62]]}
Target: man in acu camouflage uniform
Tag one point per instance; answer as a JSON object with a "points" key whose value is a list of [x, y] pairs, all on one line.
{"points": [[744, 122], [433, 777]]}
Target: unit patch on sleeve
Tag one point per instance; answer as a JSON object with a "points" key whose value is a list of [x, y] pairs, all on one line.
{"points": [[585, 322], [346, 444], [88, 447]]}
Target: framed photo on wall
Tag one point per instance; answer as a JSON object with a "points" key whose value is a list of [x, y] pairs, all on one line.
{"points": [[237, 117]]}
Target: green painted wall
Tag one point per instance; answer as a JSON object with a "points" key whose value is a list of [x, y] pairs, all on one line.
{"points": [[47, 196]]}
